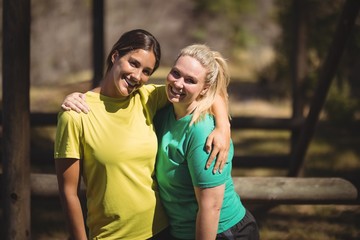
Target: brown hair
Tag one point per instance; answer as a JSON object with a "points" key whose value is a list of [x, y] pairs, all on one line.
{"points": [[133, 40]]}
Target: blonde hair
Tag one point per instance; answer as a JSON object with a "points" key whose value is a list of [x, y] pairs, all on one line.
{"points": [[217, 77]]}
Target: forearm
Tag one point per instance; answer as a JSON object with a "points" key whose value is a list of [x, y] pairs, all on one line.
{"points": [[218, 142], [221, 113], [207, 221], [74, 216]]}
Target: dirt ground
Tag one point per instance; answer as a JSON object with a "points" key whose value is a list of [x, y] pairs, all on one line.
{"points": [[283, 222]]}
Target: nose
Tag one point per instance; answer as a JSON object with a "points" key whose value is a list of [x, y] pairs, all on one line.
{"points": [[136, 75], [178, 83]]}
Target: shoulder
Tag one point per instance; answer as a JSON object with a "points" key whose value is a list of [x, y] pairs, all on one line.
{"points": [[152, 88], [204, 126], [69, 117]]}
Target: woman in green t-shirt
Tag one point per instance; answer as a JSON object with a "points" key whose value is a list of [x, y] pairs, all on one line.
{"points": [[199, 204]]}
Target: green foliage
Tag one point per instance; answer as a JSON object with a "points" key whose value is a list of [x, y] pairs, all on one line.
{"points": [[340, 107], [228, 15], [321, 18]]}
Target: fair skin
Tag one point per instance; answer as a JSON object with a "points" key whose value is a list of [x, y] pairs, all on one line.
{"points": [[185, 85], [127, 74]]}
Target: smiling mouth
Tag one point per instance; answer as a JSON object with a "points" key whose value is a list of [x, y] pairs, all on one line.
{"points": [[130, 84], [176, 92]]}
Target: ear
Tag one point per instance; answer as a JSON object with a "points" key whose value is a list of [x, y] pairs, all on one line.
{"points": [[204, 91], [114, 56]]}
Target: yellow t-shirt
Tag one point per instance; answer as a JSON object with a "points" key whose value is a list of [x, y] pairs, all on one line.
{"points": [[117, 145]]}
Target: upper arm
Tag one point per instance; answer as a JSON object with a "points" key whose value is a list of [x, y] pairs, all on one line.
{"points": [[68, 175], [208, 198], [68, 134], [197, 156]]}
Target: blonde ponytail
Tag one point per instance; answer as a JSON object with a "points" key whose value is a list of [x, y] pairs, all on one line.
{"points": [[217, 77]]}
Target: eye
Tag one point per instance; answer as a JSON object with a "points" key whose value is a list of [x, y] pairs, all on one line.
{"points": [[175, 73], [147, 72], [134, 63], [190, 80]]}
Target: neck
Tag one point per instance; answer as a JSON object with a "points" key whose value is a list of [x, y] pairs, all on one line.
{"points": [[182, 110], [108, 88]]}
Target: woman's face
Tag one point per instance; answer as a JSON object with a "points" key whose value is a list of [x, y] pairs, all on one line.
{"points": [[186, 81], [132, 70]]}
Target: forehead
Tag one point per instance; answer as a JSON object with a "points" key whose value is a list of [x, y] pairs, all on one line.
{"points": [[145, 57], [191, 67]]}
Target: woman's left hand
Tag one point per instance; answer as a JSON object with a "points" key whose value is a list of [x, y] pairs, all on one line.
{"points": [[218, 143]]}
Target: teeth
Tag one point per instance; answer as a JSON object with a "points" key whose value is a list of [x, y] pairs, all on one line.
{"points": [[130, 83], [176, 91]]}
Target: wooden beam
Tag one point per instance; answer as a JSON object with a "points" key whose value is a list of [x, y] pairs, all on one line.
{"points": [[295, 190], [261, 161], [45, 185], [16, 119], [257, 190], [266, 123]]}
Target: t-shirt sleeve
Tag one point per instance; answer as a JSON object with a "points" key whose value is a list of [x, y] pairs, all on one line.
{"points": [[67, 139], [197, 156], [157, 96]]}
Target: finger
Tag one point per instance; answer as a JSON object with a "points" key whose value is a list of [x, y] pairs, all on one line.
{"points": [[218, 163], [222, 165], [64, 107], [208, 144], [210, 161], [212, 157], [222, 158], [81, 104], [77, 104], [74, 107]]}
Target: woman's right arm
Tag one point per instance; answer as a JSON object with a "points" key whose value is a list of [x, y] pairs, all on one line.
{"points": [[207, 220], [75, 101], [68, 175]]}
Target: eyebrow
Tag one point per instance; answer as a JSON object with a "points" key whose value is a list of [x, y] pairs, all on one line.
{"points": [[185, 76], [146, 68]]}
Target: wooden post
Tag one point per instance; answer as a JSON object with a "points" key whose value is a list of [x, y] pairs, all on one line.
{"points": [[346, 22], [298, 65], [98, 40], [16, 119]]}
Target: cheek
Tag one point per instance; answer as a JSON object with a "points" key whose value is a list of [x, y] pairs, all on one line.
{"points": [[169, 78], [145, 79]]}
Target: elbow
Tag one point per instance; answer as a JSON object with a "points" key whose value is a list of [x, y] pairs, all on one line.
{"points": [[213, 209]]}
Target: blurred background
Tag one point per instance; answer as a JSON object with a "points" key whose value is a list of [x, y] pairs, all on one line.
{"points": [[256, 37]]}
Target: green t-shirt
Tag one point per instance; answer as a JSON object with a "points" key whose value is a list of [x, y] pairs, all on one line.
{"points": [[180, 166], [116, 144]]}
